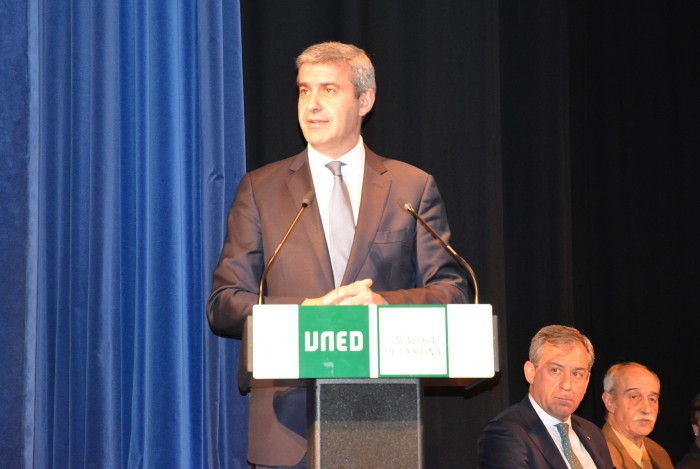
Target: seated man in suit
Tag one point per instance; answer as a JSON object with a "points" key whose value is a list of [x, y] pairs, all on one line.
{"points": [[691, 459], [631, 397], [540, 431], [378, 255]]}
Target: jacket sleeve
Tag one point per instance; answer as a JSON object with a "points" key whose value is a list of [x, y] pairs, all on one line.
{"points": [[237, 276]]}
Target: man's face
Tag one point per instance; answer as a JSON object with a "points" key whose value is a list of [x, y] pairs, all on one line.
{"points": [[558, 383], [634, 403], [330, 114]]}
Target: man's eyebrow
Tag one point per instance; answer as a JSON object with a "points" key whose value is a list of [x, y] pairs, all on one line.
{"points": [[322, 84], [562, 366], [653, 393]]}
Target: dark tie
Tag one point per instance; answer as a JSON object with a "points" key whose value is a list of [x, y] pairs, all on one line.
{"points": [[342, 223], [563, 429]]}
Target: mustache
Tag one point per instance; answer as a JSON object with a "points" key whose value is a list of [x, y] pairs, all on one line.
{"points": [[644, 418]]}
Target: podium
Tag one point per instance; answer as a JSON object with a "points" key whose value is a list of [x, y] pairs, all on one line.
{"points": [[364, 368]]}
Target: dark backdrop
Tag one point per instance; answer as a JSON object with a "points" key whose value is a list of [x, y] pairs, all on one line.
{"points": [[563, 136]]}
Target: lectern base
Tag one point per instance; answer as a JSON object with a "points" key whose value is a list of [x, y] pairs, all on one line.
{"points": [[365, 423]]}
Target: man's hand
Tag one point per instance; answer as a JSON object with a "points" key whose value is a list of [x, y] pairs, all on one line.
{"points": [[357, 293]]}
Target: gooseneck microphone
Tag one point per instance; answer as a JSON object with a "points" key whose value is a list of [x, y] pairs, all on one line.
{"points": [[305, 202], [409, 208]]}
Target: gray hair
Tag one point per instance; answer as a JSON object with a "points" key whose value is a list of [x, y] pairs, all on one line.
{"points": [[337, 52], [610, 379], [559, 335]]}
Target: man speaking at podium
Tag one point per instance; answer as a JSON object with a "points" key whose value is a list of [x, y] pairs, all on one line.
{"points": [[353, 245]]}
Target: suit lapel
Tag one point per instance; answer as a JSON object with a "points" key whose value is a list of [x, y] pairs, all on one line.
{"points": [[587, 440], [541, 437], [375, 190], [299, 184], [613, 440]]}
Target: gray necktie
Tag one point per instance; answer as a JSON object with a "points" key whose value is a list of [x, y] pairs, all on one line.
{"points": [[342, 223], [563, 429]]}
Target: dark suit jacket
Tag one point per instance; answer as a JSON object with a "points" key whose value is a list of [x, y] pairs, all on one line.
{"points": [[691, 460], [622, 459], [517, 438], [407, 265]]}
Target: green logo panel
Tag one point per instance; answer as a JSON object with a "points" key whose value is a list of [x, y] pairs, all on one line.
{"points": [[333, 342]]}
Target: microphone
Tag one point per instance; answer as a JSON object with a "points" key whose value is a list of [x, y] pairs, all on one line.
{"points": [[409, 208], [305, 202]]}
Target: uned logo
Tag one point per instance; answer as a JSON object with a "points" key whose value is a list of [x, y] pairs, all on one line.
{"points": [[343, 341], [333, 341]]}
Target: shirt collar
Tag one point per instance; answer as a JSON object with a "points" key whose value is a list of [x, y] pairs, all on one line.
{"points": [[352, 158], [635, 452], [547, 419]]}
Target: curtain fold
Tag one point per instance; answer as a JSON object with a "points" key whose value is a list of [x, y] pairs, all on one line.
{"points": [[140, 147]]}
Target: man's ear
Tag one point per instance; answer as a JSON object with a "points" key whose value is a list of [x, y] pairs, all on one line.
{"points": [[366, 101], [609, 401], [529, 369]]}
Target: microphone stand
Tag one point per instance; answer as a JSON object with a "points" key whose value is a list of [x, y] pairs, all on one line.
{"points": [[308, 199], [409, 208], [245, 359]]}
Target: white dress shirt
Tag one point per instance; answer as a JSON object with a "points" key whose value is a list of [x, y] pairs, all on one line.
{"points": [[353, 173], [577, 447]]}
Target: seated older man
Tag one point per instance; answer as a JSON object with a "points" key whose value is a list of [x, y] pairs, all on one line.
{"points": [[631, 397]]}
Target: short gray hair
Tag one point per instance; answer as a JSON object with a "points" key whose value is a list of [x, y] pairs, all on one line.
{"points": [[610, 379], [559, 335], [337, 52]]}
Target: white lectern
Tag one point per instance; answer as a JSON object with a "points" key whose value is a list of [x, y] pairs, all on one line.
{"points": [[363, 367]]}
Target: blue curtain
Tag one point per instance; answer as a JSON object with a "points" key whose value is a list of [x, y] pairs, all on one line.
{"points": [[139, 147]]}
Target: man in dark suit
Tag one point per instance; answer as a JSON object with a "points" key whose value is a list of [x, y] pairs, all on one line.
{"points": [[691, 459], [541, 431], [392, 260]]}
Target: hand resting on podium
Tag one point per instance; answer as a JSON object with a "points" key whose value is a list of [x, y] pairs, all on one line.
{"points": [[357, 293]]}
